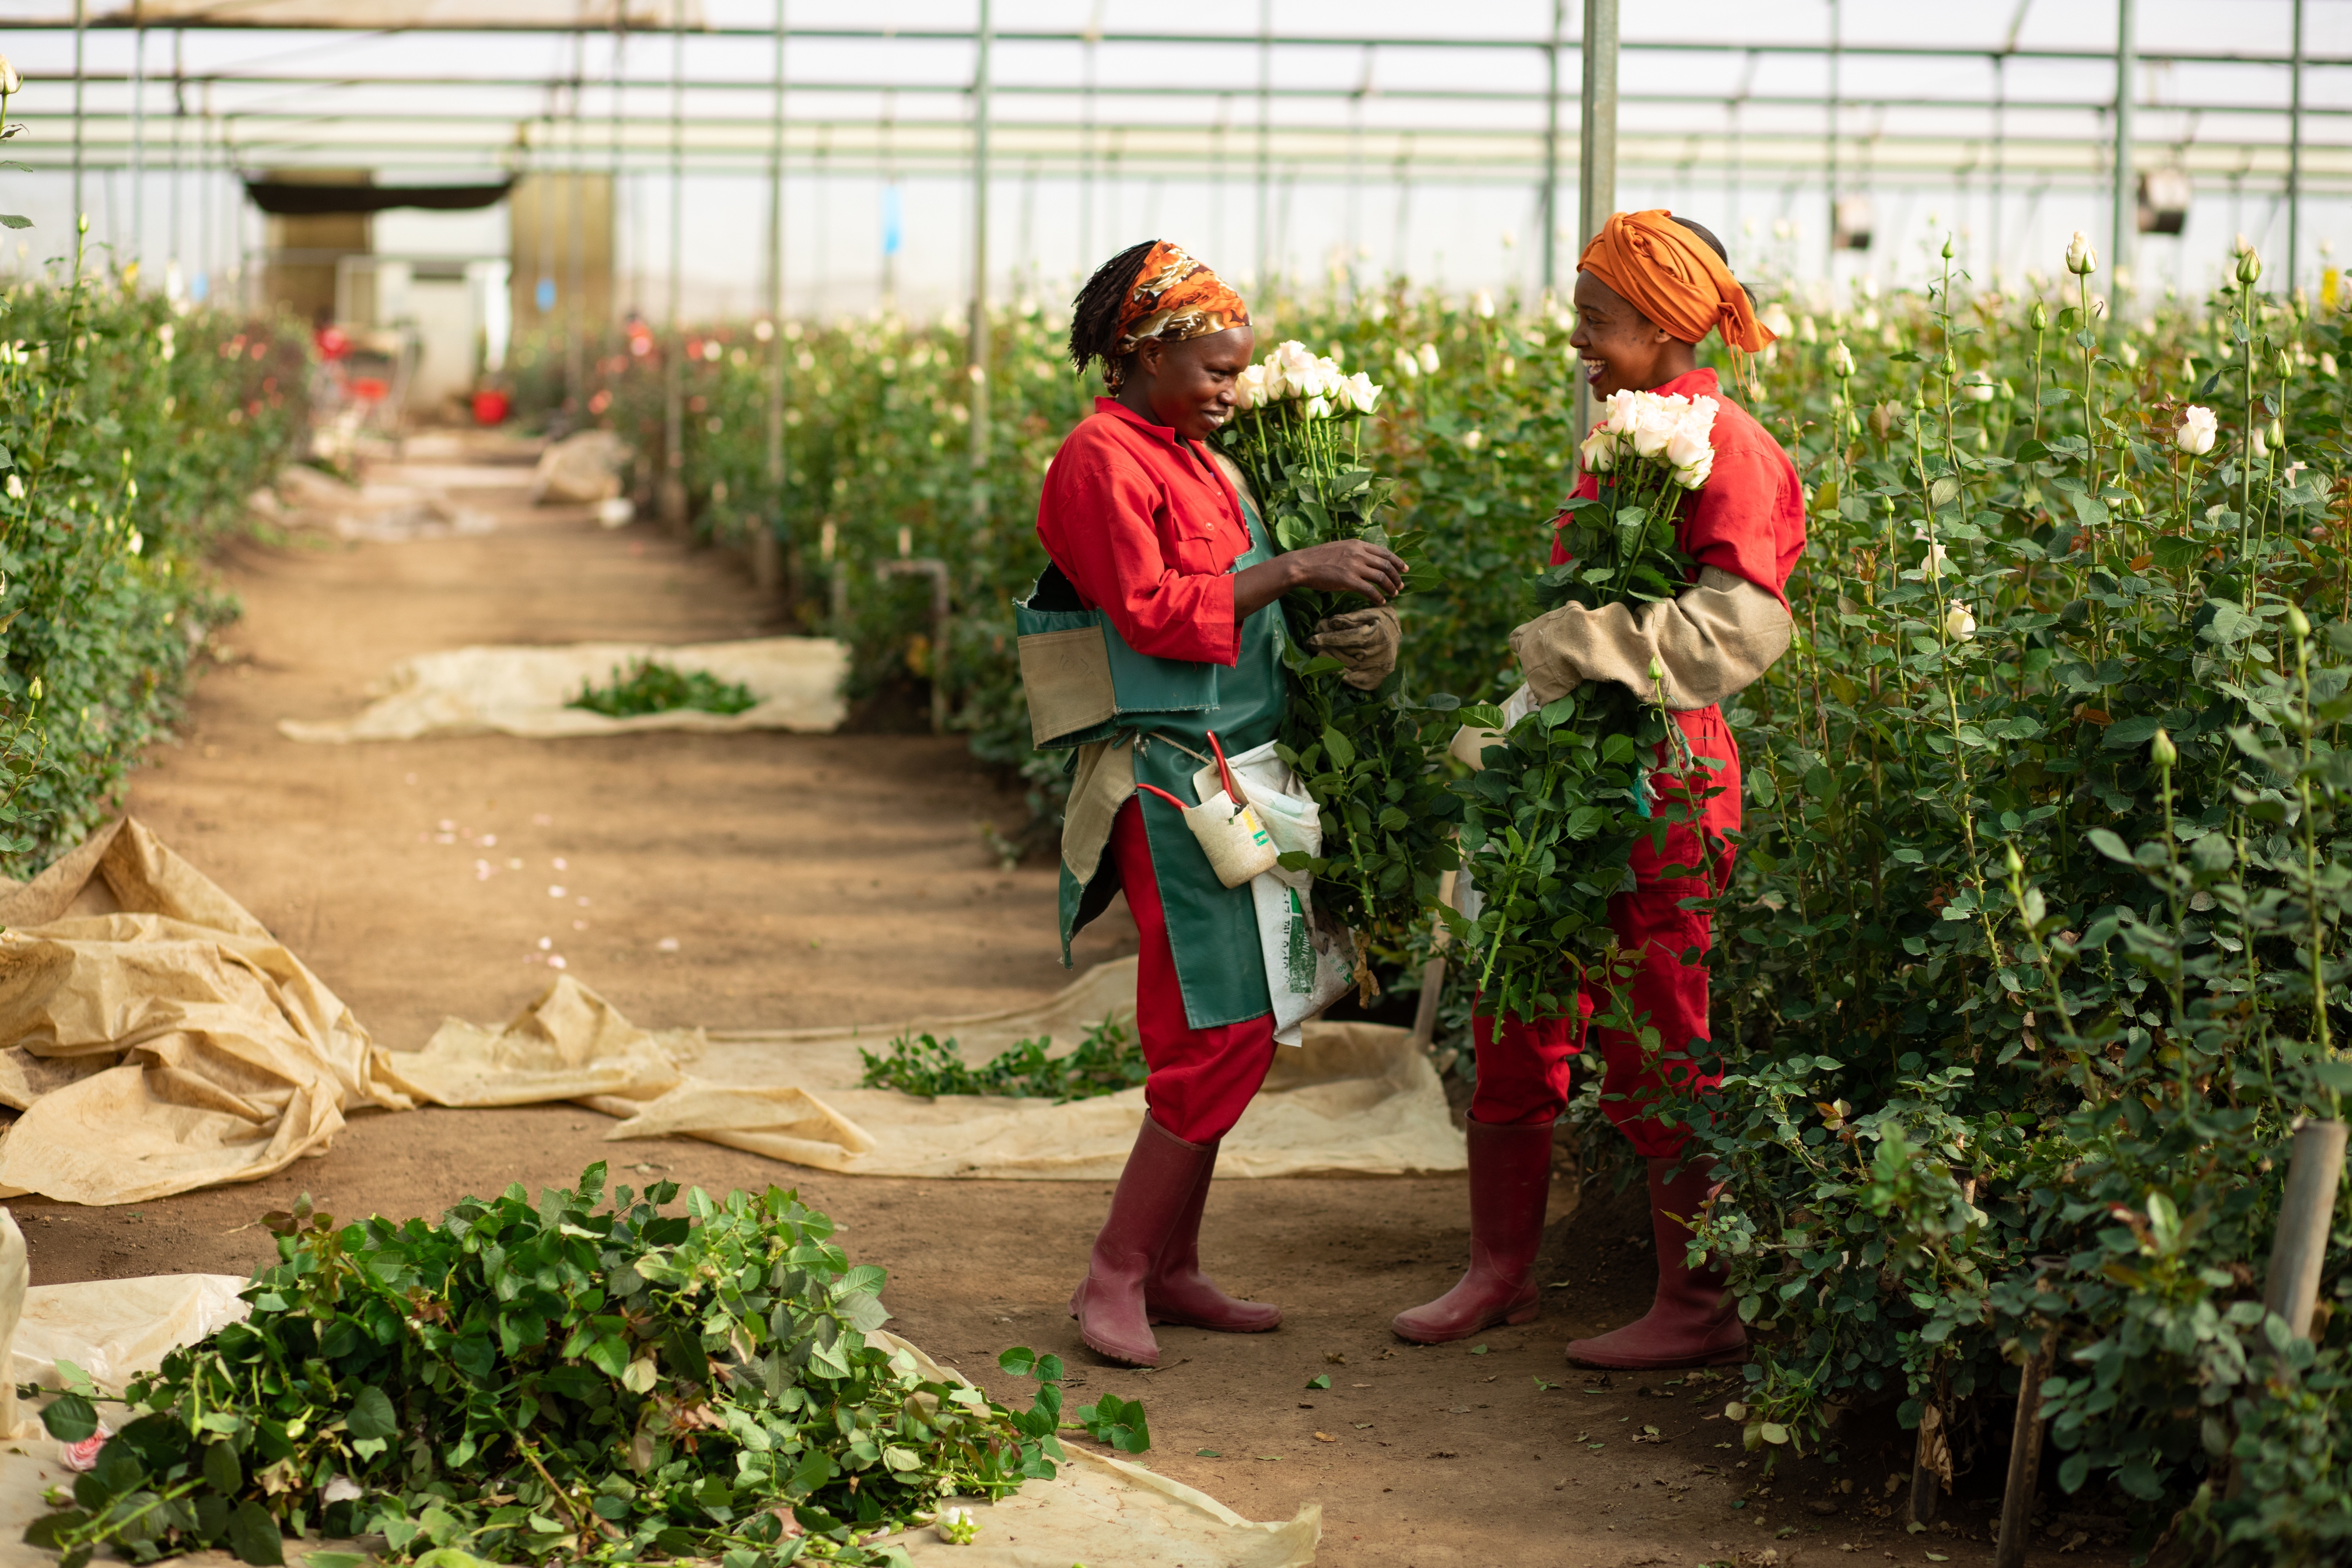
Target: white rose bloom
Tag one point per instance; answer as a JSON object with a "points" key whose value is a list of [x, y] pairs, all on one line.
{"points": [[1428, 357], [1362, 393], [1841, 359], [1482, 303], [2197, 431], [1249, 387], [1959, 625], [2255, 450], [2327, 366], [1689, 441], [1472, 439], [1297, 362], [341, 1488], [1329, 379], [1275, 385], [1407, 367], [1655, 423], [1937, 559], [2080, 258], [1693, 476], [1317, 408], [1599, 453], [1619, 420]]}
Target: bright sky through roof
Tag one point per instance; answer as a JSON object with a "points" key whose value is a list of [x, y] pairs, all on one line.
{"points": [[1413, 152]]}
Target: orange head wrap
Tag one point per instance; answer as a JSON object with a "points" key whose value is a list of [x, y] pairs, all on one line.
{"points": [[1175, 297], [1674, 277]]}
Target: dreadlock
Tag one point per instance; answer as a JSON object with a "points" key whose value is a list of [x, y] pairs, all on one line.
{"points": [[1094, 315]]}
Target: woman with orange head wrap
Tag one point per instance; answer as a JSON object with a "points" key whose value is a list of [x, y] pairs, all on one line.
{"points": [[1157, 626], [1650, 288]]}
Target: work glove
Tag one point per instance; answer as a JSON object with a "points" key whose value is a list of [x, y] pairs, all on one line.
{"points": [[1364, 640]]}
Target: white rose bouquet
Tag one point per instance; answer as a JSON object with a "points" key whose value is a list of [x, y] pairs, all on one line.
{"points": [[1386, 814], [1549, 825]]}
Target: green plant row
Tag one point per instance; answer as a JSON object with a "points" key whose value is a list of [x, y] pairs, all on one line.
{"points": [[564, 1381], [131, 434]]}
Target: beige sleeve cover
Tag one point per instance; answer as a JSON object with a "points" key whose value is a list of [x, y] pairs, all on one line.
{"points": [[1712, 640]]}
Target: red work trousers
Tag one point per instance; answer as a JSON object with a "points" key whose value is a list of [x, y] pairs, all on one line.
{"points": [[1201, 1079], [1523, 1068]]}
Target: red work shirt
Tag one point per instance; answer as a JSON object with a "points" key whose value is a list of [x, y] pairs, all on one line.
{"points": [[1146, 529], [1750, 518]]}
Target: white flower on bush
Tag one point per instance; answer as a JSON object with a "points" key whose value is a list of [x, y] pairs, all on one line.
{"points": [[1407, 367], [1959, 621], [1776, 320], [341, 1488], [1483, 304], [2196, 432], [1840, 360], [2327, 366], [2255, 450], [1978, 388], [2082, 259], [1472, 440], [1361, 392], [1428, 357]]}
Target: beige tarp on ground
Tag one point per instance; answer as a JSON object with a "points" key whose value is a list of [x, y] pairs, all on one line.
{"points": [[159, 1039], [1356, 1098], [1098, 1510], [522, 691]]}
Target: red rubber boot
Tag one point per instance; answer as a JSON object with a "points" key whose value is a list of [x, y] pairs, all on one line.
{"points": [[1692, 1322], [1178, 1292], [1163, 1180], [1510, 1180]]}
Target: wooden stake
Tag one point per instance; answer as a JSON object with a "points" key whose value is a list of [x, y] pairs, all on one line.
{"points": [[2024, 1458]]}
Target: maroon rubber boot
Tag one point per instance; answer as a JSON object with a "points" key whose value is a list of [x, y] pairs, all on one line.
{"points": [[1692, 1322], [1164, 1177], [1510, 1180], [1178, 1292]]}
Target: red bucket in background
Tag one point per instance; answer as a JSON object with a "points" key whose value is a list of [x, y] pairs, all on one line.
{"points": [[492, 408]]}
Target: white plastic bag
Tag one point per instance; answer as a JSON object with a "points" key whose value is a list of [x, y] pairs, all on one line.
{"points": [[1306, 969]]}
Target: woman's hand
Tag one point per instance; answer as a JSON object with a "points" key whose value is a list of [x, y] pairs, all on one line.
{"points": [[1342, 566]]}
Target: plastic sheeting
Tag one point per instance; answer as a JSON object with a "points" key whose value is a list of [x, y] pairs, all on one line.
{"points": [[523, 690], [165, 1041], [562, 15], [1098, 1510], [1355, 1099], [162, 1039]]}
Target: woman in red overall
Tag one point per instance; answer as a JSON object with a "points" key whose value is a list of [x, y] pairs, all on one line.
{"points": [[1164, 594], [1649, 288]]}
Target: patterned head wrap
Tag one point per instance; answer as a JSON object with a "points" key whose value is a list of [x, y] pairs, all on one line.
{"points": [[1674, 277], [1174, 298]]}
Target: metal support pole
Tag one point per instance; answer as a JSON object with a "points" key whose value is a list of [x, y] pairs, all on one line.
{"points": [[977, 361], [673, 489], [767, 554], [2295, 153], [575, 282], [2305, 1215], [2024, 1457], [1830, 143], [1596, 191], [138, 138], [1265, 285], [1551, 151], [171, 270], [81, 29], [2124, 228]]}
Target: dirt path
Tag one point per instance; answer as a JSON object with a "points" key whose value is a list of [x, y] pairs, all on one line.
{"points": [[812, 881]]}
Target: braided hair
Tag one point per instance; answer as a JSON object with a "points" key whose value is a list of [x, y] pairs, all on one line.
{"points": [[1094, 315]]}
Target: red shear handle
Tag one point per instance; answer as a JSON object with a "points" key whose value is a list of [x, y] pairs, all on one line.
{"points": [[1225, 770], [1165, 795]]}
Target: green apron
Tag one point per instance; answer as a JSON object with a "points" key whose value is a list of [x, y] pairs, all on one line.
{"points": [[1165, 708]]}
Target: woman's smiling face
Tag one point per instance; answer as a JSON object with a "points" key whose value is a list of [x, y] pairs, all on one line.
{"points": [[1621, 349]]}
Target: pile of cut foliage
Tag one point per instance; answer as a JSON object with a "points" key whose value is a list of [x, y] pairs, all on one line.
{"points": [[649, 686], [1107, 1060], [557, 1382]]}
